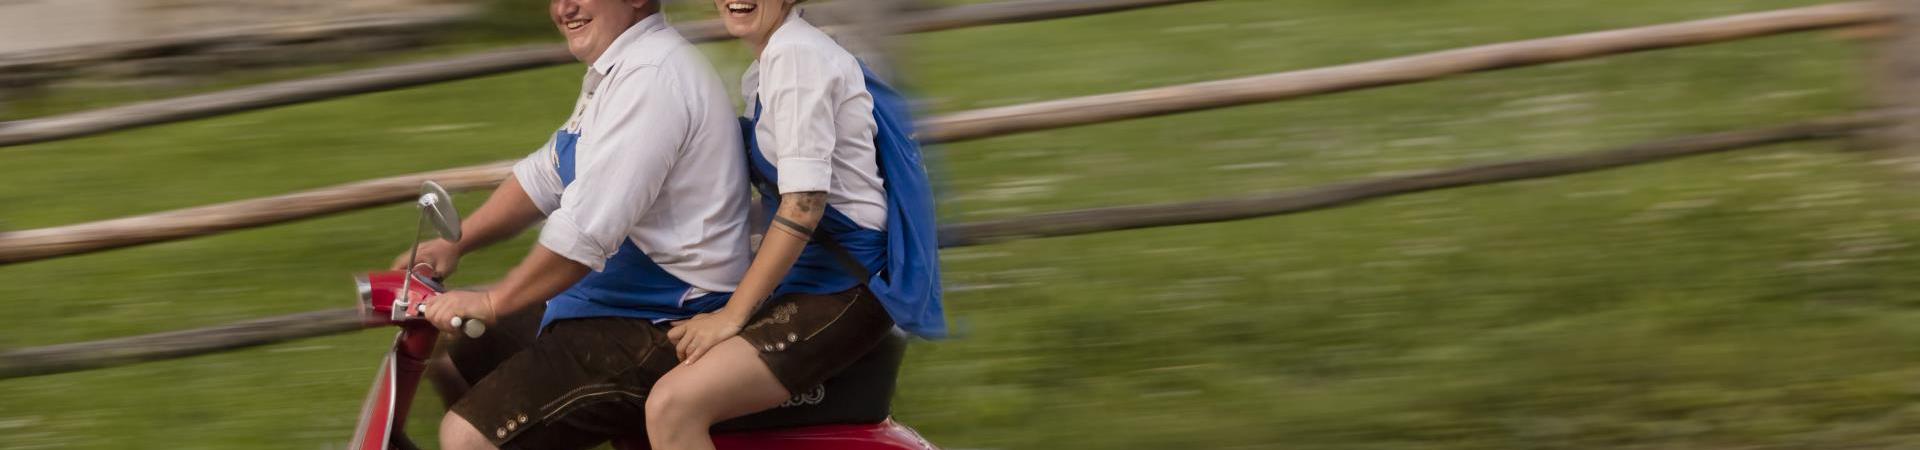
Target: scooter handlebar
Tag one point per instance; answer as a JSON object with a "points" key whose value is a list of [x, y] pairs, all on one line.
{"points": [[472, 328]]}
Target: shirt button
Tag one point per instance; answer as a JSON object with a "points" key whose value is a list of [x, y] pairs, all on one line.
{"points": [[793, 337], [500, 432], [523, 419]]}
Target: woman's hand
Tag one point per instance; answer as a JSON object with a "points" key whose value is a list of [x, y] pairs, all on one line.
{"points": [[693, 337], [467, 305], [442, 256], [799, 213]]}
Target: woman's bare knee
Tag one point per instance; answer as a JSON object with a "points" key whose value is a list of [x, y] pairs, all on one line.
{"points": [[671, 422], [671, 400]]}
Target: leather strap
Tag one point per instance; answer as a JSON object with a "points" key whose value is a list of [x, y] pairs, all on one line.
{"points": [[847, 261]]}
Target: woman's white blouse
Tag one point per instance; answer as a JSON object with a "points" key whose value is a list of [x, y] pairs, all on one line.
{"points": [[816, 123]]}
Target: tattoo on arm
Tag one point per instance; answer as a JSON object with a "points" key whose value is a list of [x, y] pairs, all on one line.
{"points": [[805, 206], [806, 202]]}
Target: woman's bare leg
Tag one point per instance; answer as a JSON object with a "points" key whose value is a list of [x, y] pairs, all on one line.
{"points": [[729, 381]]}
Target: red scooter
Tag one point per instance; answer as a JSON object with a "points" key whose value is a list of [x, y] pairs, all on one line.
{"points": [[849, 412]]}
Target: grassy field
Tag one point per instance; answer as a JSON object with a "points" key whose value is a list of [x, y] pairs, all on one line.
{"points": [[1754, 300]]}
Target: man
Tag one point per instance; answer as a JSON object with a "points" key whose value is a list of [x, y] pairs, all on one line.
{"points": [[644, 195]]}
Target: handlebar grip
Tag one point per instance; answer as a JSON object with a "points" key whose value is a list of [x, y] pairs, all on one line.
{"points": [[472, 328]]}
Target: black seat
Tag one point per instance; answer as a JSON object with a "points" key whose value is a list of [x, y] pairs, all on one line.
{"points": [[863, 393]]}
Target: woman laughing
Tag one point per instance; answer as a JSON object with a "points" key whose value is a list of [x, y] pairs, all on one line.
{"points": [[850, 253]]}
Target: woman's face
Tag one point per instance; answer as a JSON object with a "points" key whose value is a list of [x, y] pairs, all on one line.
{"points": [[753, 20], [590, 26]]}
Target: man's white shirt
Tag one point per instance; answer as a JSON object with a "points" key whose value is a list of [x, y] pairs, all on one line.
{"points": [[659, 162]]}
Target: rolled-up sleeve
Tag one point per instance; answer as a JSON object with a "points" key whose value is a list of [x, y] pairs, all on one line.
{"points": [[797, 94], [626, 150], [537, 177]]}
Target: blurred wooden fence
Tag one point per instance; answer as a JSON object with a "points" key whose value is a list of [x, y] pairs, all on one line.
{"points": [[1893, 126]]}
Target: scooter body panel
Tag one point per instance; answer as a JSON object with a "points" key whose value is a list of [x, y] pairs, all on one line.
{"points": [[887, 435]]}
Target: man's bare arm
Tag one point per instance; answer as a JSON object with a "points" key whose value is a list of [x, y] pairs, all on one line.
{"points": [[541, 276], [506, 213]]}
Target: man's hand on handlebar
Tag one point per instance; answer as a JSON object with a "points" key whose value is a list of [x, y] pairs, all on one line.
{"points": [[467, 305], [438, 254]]}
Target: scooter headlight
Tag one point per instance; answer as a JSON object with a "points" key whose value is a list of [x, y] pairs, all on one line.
{"points": [[365, 288]]}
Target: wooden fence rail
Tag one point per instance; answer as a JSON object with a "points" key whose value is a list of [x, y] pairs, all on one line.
{"points": [[31, 245], [1396, 71], [270, 95], [79, 356], [115, 352]]}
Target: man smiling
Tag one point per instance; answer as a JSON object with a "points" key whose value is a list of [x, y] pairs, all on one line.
{"points": [[644, 195]]}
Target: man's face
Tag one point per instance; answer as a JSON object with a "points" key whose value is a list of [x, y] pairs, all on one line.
{"points": [[590, 26], [752, 20]]}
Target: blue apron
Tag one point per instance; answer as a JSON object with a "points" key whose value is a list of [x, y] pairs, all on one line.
{"points": [[630, 285], [904, 260]]}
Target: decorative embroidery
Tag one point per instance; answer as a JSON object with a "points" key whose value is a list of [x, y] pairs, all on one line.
{"points": [[781, 314], [811, 397]]}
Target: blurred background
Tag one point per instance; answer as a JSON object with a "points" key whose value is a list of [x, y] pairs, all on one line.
{"points": [[1761, 299]]}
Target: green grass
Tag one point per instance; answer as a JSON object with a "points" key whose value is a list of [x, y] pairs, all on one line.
{"points": [[1752, 300]]}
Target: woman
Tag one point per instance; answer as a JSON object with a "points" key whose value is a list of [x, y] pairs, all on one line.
{"points": [[850, 252]]}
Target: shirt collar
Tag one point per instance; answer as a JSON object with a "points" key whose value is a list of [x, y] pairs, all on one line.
{"points": [[611, 58], [787, 28], [750, 82]]}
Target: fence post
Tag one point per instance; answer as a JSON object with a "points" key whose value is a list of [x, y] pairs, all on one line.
{"points": [[1897, 87]]}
